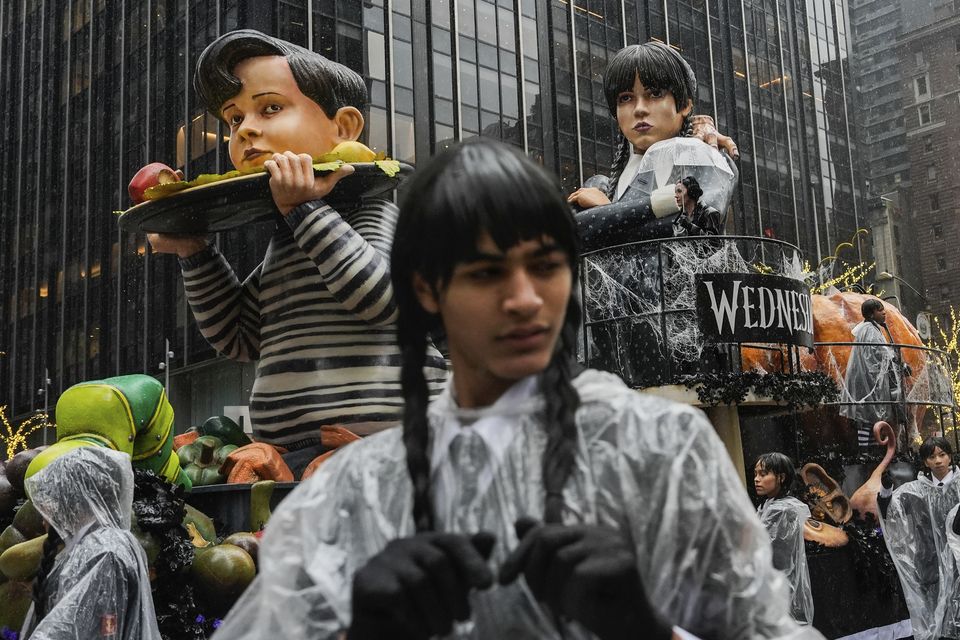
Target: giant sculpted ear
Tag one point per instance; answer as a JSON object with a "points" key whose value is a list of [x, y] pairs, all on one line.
{"points": [[349, 123], [426, 295]]}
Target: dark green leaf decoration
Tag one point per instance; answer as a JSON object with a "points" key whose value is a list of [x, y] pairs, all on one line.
{"points": [[795, 390]]}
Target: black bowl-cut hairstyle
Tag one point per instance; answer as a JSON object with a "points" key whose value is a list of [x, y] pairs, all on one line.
{"points": [[479, 186], [330, 84], [869, 307], [694, 190], [931, 443], [781, 466], [658, 66]]}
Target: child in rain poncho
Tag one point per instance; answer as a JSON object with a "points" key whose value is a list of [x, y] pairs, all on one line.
{"points": [[915, 520], [98, 586], [647, 530], [783, 515]]}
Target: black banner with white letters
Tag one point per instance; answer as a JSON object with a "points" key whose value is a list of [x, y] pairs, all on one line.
{"points": [[748, 307]]}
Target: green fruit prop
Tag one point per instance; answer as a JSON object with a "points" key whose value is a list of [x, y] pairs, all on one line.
{"points": [[27, 524], [260, 494], [10, 537], [221, 573], [21, 561], [226, 429], [246, 541], [202, 459], [16, 598], [29, 521]]}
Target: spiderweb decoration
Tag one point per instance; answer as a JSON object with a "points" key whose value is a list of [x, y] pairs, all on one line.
{"points": [[932, 384], [648, 290]]}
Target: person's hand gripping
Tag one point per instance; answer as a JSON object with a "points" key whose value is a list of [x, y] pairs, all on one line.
{"points": [[586, 573], [417, 587]]}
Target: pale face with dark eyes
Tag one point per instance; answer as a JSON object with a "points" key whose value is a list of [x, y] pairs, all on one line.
{"points": [[646, 116], [271, 115]]}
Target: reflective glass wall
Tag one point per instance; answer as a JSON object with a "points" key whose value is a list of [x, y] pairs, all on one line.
{"points": [[94, 89]]}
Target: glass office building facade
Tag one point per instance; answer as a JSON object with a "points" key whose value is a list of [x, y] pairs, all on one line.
{"points": [[94, 89]]}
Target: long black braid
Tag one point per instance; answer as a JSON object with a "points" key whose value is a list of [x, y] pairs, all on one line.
{"points": [[415, 428], [562, 401], [620, 158], [478, 187], [51, 546]]}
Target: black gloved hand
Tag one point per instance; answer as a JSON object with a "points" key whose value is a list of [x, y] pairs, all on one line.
{"points": [[684, 221], [956, 523], [417, 587], [886, 480], [587, 573]]}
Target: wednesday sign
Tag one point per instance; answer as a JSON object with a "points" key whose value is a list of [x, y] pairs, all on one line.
{"points": [[746, 307]]}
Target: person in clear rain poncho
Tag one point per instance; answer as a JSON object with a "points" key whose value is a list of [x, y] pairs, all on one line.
{"points": [[775, 479], [98, 586], [602, 512], [916, 519], [872, 382]]}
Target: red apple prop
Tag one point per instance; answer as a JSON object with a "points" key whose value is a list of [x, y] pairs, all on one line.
{"points": [[153, 174]]}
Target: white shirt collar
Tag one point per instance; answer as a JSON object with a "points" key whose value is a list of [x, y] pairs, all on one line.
{"points": [[947, 479], [629, 172], [491, 423]]}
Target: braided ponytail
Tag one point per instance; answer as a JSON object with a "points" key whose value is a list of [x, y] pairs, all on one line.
{"points": [[686, 128], [562, 401], [620, 158], [51, 547], [416, 397]]}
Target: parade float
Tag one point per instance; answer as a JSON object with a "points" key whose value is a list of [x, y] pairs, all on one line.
{"points": [[737, 325], [744, 329]]}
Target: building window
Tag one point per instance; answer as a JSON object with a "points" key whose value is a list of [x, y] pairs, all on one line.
{"points": [[923, 113], [919, 58], [928, 143], [921, 87], [896, 235], [931, 172], [944, 292], [941, 262], [938, 231], [934, 202]]}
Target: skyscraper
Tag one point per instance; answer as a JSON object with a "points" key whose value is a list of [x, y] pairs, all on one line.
{"points": [[97, 88]]}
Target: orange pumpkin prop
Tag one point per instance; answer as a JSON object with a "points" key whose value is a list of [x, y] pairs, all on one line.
{"points": [[833, 320]]}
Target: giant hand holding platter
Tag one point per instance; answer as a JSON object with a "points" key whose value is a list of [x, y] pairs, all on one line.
{"points": [[214, 202]]}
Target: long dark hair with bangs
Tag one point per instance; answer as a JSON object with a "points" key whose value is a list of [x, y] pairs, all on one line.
{"points": [[658, 67], [479, 186], [330, 84]]}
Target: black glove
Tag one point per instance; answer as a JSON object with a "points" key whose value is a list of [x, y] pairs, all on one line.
{"points": [[416, 587], [684, 221], [886, 480], [956, 523], [587, 573]]}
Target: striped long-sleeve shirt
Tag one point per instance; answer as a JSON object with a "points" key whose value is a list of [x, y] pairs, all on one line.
{"points": [[318, 315]]}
